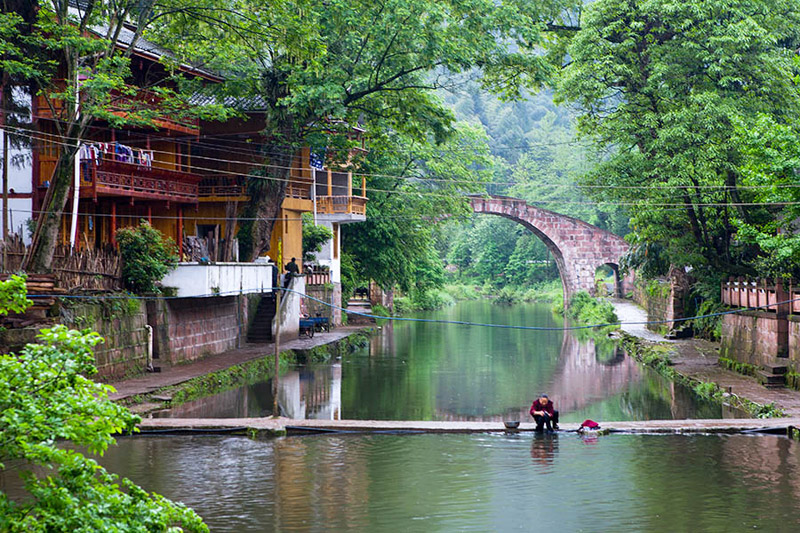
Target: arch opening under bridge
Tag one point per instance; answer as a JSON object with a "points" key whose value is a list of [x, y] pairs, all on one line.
{"points": [[577, 247]]}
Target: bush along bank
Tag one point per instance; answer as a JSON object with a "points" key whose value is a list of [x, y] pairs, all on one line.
{"points": [[246, 373], [656, 356]]}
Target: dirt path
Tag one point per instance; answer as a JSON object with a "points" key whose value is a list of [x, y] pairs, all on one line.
{"points": [[697, 359]]}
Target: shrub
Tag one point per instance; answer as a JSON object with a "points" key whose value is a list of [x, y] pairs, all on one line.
{"points": [[147, 256], [591, 311]]}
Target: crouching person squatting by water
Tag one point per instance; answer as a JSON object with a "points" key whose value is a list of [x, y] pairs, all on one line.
{"points": [[544, 413]]}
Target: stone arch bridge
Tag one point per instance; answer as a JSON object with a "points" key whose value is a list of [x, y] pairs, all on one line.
{"points": [[578, 248]]}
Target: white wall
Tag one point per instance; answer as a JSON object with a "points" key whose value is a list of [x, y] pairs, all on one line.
{"points": [[20, 180], [219, 279]]}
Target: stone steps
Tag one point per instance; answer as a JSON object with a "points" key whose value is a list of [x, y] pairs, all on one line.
{"points": [[260, 331], [770, 380]]}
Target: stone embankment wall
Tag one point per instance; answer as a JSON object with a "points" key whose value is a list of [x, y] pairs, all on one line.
{"points": [[664, 300], [188, 329], [760, 338], [123, 325], [768, 335], [183, 330]]}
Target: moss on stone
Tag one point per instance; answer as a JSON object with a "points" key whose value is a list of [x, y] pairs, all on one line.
{"points": [[248, 372], [657, 356]]}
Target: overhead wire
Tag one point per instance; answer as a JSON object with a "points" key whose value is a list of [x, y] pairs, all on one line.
{"points": [[49, 137], [431, 320], [32, 133]]}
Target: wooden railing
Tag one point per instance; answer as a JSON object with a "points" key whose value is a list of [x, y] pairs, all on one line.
{"points": [[335, 205], [115, 178], [301, 191], [768, 295], [222, 187]]}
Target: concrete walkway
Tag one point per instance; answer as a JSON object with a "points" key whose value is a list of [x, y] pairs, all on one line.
{"points": [[170, 376], [697, 359], [273, 426]]}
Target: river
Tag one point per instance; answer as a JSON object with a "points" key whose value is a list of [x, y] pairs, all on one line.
{"points": [[480, 482], [431, 371]]}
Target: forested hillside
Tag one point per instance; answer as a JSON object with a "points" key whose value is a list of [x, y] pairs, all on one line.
{"points": [[538, 158]]}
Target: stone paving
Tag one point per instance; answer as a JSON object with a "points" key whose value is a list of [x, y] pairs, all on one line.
{"points": [[281, 425], [169, 376], [697, 359]]}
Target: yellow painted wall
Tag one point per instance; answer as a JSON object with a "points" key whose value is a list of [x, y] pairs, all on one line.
{"points": [[290, 230]]}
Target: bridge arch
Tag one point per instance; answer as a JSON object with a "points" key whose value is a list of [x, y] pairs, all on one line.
{"points": [[578, 247]]}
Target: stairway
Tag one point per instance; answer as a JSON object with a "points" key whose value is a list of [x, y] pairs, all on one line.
{"points": [[772, 375], [260, 331], [359, 306]]}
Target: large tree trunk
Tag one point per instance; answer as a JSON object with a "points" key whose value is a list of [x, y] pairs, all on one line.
{"points": [[46, 237], [266, 198]]}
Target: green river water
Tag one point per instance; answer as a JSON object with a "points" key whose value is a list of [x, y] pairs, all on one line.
{"points": [[483, 482], [429, 371]]}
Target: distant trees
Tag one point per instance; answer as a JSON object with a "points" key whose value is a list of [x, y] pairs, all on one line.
{"points": [[695, 101]]}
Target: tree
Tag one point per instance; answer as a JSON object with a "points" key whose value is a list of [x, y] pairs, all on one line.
{"points": [[49, 45], [667, 87], [352, 59], [46, 399], [147, 256], [314, 236], [410, 189]]}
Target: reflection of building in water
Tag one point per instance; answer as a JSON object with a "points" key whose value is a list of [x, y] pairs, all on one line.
{"points": [[312, 393], [383, 343], [320, 484]]}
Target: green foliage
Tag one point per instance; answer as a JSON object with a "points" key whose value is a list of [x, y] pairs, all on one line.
{"points": [[46, 397], [349, 277], [423, 300], [461, 292], [591, 311], [739, 367], [400, 249], [146, 257], [12, 295], [678, 87], [314, 236]]}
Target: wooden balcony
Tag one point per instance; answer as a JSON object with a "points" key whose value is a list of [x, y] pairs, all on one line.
{"points": [[225, 188], [114, 178], [342, 205]]}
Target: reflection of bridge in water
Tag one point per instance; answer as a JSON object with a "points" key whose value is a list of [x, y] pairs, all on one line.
{"points": [[582, 378]]}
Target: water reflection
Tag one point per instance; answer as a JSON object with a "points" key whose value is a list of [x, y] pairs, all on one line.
{"points": [[543, 451], [426, 371], [474, 482], [313, 392]]}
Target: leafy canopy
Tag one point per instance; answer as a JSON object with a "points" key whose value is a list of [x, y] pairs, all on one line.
{"points": [[47, 399], [669, 87]]}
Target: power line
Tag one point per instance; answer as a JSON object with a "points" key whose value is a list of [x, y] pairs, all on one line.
{"points": [[431, 320], [306, 181]]}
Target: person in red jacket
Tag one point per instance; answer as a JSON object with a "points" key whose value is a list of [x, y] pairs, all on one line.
{"points": [[543, 413]]}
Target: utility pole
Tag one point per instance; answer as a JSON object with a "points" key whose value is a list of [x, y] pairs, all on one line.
{"points": [[275, 412], [3, 121]]}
